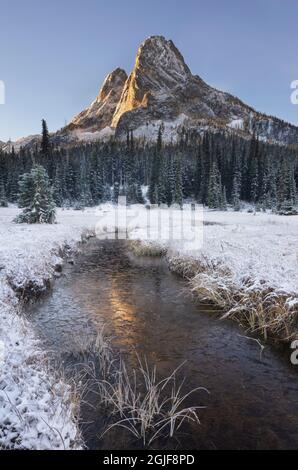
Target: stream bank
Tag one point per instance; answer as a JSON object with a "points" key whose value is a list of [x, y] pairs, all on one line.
{"points": [[147, 310]]}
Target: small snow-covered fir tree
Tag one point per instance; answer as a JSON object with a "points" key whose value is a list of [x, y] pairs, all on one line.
{"points": [[130, 192], [161, 189], [236, 189], [116, 190], [214, 188], [152, 191], [106, 193], [98, 185], [286, 191], [3, 200], [58, 187], [36, 197], [170, 182], [224, 204], [178, 196], [139, 194]]}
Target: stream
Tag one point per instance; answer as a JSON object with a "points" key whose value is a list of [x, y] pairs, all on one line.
{"points": [[145, 309]]}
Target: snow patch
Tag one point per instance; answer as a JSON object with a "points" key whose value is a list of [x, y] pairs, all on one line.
{"points": [[236, 124], [150, 130], [89, 136], [36, 410]]}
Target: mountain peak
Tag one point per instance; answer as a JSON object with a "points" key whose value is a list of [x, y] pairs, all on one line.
{"points": [[157, 51], [99, 114], [112, 81], [162, 89], [159, 69]]}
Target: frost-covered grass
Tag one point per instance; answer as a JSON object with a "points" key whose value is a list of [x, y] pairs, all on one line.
{"points": [[147, 407], [147, 248], [137, 401], [37, 409], [251, 270], [244, 262], [247, 265]]}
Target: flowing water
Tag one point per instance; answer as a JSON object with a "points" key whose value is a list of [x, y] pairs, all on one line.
{"points": [[253, 397]]}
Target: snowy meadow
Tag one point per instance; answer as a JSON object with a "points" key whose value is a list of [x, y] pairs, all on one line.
{"points": [[244, 262]]}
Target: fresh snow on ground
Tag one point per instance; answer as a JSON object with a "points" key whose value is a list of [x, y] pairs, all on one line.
{"points": [[35, 406], [35, 410], [260, 246], [246, 263]]}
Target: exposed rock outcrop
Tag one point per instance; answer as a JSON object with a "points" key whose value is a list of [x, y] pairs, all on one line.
{"points": [[100, 113], [162, 89]]}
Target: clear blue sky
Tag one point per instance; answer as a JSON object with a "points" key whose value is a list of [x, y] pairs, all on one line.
{"points": [[55, 54]]}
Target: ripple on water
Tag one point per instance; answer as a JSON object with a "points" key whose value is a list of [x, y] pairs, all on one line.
{"points": [[253, 399]]}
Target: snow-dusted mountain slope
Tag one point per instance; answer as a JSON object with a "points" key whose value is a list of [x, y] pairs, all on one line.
{"points": [[161, 88], [30, 140]]}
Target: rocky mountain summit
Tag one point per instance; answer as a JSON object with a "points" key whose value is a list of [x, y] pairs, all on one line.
{"points": [[161, 89], [100, 113]]}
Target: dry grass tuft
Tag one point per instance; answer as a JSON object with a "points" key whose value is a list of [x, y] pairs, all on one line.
{"points": [[256, 307], [147, 249], [146, 407]]}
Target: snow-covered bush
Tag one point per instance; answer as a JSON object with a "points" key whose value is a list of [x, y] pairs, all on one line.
{"points": [[36, 198], [287, 208]]}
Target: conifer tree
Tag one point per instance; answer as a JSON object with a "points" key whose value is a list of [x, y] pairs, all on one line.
{"points": [[139, 194], [224, 204], [236, 190], [252, 177], [3, 200], [286, 189], [57, 187], [36, 197], [261, 173], [155, 170], [205, 168], [178, 196], [161, 185], [106, 193], [214, 188], [170, 182], [45, 139], [197, 176], [116, 191]]}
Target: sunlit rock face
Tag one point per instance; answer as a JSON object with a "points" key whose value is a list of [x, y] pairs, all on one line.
{"points": [[100, 113], [162, 90], [159, 70]]}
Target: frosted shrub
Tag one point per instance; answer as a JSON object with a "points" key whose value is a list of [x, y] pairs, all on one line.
{"points": [[36, 198]]}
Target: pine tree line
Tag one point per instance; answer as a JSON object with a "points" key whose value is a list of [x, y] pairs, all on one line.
{"points": [[215, 169]]}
